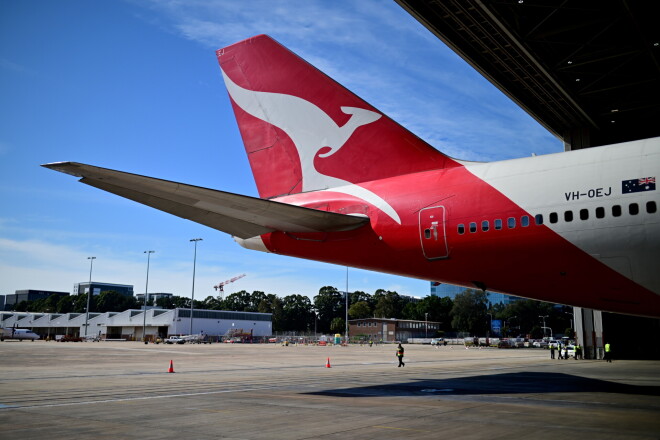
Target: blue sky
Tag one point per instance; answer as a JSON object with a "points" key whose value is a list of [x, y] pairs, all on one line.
{"points": [[135, 86]]}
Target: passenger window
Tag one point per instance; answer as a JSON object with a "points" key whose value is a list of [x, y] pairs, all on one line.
{"points": [[600, 212], [461, 229], [616, 210], [553, 217], [473, 227], [651, 208], [427, 233], [633, 209], [568, 216], [498, 224], [485, 226], [584, 214], [524, 221], [511, 222], [538, 219]]}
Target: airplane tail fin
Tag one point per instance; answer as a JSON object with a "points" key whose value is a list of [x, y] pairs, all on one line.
{"points": [[304, 132]]}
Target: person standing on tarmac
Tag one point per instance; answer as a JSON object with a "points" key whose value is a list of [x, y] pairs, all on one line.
{"points": [[608, 353], [399, 354], [552, 351]]}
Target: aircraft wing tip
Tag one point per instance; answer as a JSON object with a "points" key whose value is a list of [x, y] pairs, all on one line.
{"points": [[64, 167]]}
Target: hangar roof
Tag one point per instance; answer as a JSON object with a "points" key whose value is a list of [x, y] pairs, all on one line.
{"points": [[587, 70]]}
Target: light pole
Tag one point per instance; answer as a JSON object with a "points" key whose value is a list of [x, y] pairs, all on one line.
{"points": [[192, 298], [146, 299], [426, 323], [571, 314], [544, 327], [89, 292], [508, 327], [346, 326]]}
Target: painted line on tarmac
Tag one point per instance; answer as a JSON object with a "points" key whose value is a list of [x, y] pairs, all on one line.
{"points": [[129, 399], [399, 429]]}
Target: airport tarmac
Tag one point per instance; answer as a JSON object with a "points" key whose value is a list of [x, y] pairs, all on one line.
{"points": [[122, 390]]}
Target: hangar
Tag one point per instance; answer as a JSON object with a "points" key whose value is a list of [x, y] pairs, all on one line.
{"points": [[587, 70], [128, 324]]}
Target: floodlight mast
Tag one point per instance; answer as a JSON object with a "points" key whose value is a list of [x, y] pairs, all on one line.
{"points": [[192, 297], [146, 299], [89, 292]]}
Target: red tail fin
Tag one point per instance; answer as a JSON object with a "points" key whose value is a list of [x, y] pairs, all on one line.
{"points": [[303, 131]]}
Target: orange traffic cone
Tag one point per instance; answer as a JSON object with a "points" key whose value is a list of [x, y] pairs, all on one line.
{"points": [[171, 369], [327, 363]]}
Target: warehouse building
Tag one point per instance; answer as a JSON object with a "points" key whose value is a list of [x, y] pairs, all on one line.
{"points": [[128, 325]]}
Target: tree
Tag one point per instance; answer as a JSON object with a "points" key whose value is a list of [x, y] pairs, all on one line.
{"points": [[359, 310], [239, 301], [329, 304], [297, 313], [80, 303], [360, 296], [255, 299], [524, 314], [338, 325], [65, 304], [388, 304], [113, 301], [437, 308], [536, 332], [412, 311], [50, 304], [278, 313], [212, 303], [469, 312], [569, 332], [21, 306]]}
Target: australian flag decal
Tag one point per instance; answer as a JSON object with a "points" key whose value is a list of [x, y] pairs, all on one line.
{"points": [[638, 185]]}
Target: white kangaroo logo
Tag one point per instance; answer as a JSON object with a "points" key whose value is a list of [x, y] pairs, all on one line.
{"points": [[310, 129]]}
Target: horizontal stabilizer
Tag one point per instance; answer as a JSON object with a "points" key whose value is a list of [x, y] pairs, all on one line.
{"points": [[235, 214]]}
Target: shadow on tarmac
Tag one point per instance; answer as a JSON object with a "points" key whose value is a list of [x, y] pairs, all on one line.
{"points": [[507, 383]]}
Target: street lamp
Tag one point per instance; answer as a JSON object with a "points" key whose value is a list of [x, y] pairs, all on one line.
{"points": [[146, 298], [426, 324], [192, 298], [89, 292], [544, 327], [346, 326]]}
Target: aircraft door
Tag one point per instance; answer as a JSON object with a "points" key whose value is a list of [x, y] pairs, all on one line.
{"points": [[432, 232]]}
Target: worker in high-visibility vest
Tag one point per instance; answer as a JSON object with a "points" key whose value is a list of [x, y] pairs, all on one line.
{"points": [[399, 354], [608, 353]]}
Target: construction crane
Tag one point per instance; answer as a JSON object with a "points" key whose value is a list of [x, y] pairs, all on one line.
{"points": [[220, 286]]}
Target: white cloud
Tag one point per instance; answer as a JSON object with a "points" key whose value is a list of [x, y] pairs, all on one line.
{"points": [[40, 264], [381, 53], [16, 68]]}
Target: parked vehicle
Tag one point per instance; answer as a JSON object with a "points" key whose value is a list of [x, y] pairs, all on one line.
{"points": [[569, 351], [175, 340]]}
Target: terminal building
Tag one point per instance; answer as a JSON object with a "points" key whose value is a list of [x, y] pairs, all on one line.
{"points": [[128, 325], [97, 288], [450, 290], [153, 296], [11, 300], [391, 330]]}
